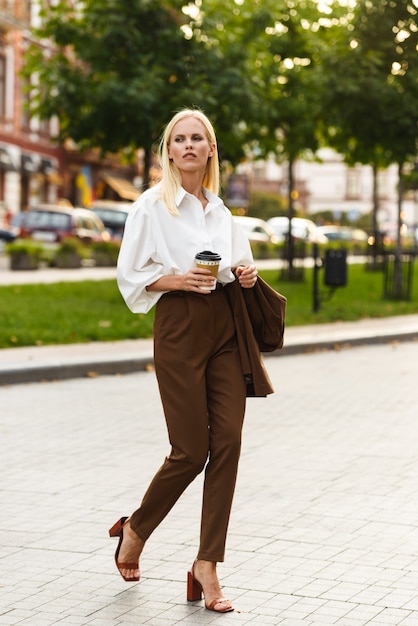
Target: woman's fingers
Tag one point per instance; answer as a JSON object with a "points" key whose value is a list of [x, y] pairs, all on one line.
{"points": [[247, 276], [198, 279]]}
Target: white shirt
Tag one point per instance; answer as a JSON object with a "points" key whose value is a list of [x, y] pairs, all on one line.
{"points": [[156, 243]]}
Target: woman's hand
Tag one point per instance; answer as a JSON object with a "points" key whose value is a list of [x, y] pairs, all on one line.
{"points": [[198, 279], [247, 276]]}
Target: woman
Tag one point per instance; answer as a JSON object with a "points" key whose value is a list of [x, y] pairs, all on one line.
{"points": [[195, 351]]}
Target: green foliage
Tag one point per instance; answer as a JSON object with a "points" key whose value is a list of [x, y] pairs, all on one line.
{"points": [[266, 205], [410, 181], [67, 313], [24, 254], [285, 83], [361, 298], [25, 246], [118, 70], [105, 253], [94, 310], [371, 76], [275, 76], [69, 253], [371, 87], [71, 244], [112, 77], [265, 250]]}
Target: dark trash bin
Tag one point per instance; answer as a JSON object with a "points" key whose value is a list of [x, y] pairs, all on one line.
{"points": [[335, 268]]}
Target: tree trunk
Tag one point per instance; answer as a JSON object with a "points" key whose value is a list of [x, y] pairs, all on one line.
{"points": [[398, 277], [147, 167], [376, 234], [290, 243]]}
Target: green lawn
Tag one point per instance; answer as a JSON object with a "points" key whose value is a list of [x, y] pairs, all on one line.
{"points": [[79, 312]]}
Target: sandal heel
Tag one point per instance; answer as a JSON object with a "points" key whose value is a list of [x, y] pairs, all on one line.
{"points": [[116, 529], [194, 588]]}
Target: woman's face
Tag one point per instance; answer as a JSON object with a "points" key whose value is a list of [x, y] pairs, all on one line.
{"points": [[189, 147]]}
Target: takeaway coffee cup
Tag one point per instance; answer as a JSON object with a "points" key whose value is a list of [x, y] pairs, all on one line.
{"points": [[209, 261]]}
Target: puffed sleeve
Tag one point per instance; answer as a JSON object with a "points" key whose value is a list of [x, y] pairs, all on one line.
{"points": [[241, 248], [138, 263]]}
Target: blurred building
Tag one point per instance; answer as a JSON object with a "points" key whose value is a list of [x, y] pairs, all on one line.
{"points": [[29, 164], [33, 168], [328, 184]]}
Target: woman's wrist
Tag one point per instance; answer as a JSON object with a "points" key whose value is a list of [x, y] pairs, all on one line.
{"points": [[170, 282]]}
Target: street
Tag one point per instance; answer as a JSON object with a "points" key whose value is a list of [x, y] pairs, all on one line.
{"points": [[324, 527]]}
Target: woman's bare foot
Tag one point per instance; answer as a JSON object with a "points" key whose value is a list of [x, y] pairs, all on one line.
{"points": [[130, 551], [205, 574]]}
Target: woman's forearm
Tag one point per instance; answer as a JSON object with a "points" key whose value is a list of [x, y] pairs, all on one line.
{"points": [[171, 282]]}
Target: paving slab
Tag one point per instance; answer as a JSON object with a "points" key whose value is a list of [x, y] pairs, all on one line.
{"points": [[324, 523]]}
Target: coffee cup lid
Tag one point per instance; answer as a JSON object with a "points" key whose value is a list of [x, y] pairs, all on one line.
{"points": [[207, 255]]}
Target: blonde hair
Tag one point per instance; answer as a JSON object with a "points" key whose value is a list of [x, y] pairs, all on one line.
{"points": [[171, 179]]}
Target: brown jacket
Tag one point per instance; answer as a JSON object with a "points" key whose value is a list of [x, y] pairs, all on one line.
{"points": [[256, 377], [267, 312]]}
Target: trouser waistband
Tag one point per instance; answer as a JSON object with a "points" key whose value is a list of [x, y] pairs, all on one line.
{"points": [[182, 293]]}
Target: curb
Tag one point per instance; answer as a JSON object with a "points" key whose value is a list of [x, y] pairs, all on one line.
{"points": [[351, 342], [119, 366], [63, 371]]}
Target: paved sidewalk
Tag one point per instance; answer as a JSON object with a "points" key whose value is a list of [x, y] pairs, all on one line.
{"points": [[51, 275], [324, 526]]}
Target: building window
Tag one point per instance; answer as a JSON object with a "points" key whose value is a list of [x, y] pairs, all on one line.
{"points": [[2, 85], [27, 6], [44, 128], [2, 180], [353, 191], [25, 106], [382, 184]]}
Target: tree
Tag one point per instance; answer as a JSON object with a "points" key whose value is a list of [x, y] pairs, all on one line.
{"points": [[114, 71], [222, 86], [288, 88], [110, 72], [372, 89]]}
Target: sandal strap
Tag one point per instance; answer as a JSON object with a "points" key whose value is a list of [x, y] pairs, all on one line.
{"points": [[127, 565], [211, 605]]}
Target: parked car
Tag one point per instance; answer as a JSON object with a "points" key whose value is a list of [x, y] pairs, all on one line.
{"points": [[257, 230], [302, 228], [8, 234], [52, 224], [113, 215], [344, 233]]}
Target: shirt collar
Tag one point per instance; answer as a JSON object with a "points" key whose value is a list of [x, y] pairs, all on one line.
{"points": [[212, 198]]}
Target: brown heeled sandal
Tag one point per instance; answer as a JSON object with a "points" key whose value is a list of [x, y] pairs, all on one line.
{"points": [[117, 531], [195, 592]]}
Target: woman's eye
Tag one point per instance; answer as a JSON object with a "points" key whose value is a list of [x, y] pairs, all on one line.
{"points": [[180, 138]]}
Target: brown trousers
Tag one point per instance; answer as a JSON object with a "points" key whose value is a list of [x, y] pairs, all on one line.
{"points": [[203, 395]]}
